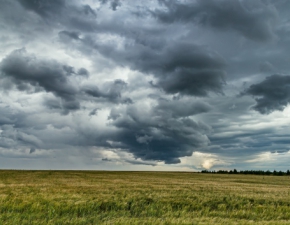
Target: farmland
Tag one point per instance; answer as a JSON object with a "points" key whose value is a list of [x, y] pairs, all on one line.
{"points": [[101, 197]]}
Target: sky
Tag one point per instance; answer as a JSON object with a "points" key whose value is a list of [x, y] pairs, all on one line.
{"points": [[179, 85]]}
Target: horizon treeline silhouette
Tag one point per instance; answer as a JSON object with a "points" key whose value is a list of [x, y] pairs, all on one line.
{"points": [[255, 172]]}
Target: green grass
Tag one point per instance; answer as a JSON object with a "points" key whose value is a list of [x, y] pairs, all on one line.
{"points": [[85, 197]]}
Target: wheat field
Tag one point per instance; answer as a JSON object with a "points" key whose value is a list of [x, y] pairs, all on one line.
{"points": [[101, 197]]}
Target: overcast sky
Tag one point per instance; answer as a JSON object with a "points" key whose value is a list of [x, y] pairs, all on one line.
{"points": [[145, 85]]}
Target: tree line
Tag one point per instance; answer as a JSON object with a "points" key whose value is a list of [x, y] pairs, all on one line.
{"points": [[256, 172]]}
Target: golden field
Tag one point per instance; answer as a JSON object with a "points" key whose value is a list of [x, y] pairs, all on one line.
{"points": [[101, 197]]}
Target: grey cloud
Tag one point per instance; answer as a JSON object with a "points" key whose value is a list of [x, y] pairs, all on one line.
{"points": [[6, 117], [238, 133], [28, 138], [32, 132], [69, 70], [253, 19], [246, 143], [190, 82], [197, 54], [44, 7], [94, 112], [83, 72], [106, 159], [154, 135], [113, 3], [12, 137], [135, 162], [68, 35], [181, 67], [93, 91], [110, 91], [69, 105], [24, 69], [144, 139], [266, 67], [271, 94], [181, 108], [32, 150], [130, 161], [67, 13], [52, 103]]}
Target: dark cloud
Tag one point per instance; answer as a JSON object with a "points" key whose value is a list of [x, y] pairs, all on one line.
{"points": [[24, 69], [44, 8], [12, 137], [28, 73], [271, 94], [135, 84], [113, 3], [154, 134], [106, 159], [68, 35], [32, 150], [182, 67], [83, 72], [190, 82], [180, 108], [67, 13], [110, 91], [53, 103], [253, 19], [135, 162], [266, 67], [69, 70], [94, 112]]}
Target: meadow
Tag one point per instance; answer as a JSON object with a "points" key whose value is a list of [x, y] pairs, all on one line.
{"points": [[100, 197]]}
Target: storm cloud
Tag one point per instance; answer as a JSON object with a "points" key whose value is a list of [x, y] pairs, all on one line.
{"points": [[27, 72], [253, 19], [68, 13], [180, 68], [271, 94], [110, 91], [164, 132], [151, 85], [113, 3]]}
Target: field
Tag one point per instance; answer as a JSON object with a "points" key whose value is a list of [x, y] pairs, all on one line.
{"points": [[87, 197]]}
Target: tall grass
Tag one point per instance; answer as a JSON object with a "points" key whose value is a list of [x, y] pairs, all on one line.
{"points": [[85, 197]]}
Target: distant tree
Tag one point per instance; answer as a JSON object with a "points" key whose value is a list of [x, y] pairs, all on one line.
{"points": [[280, 173], [255, 172]]}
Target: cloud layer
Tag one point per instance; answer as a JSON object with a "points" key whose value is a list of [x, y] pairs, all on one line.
{"points": [[271, 94], [155, 85]]}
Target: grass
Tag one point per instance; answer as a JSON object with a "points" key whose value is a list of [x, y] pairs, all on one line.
{"points": [[90, 197]]}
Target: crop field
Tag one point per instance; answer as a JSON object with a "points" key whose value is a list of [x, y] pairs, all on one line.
{"points": [[96, 197]]}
